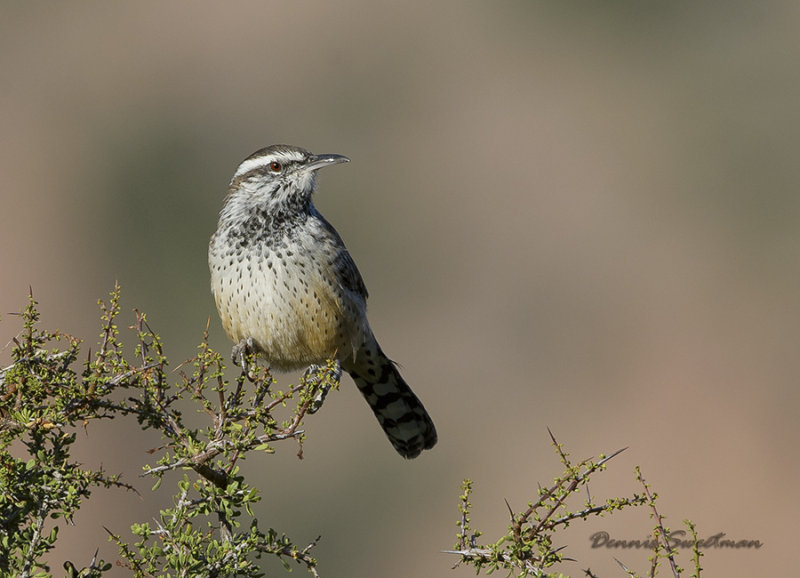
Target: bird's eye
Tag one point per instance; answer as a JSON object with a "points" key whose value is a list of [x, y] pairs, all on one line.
{"points": [[275, 166]]}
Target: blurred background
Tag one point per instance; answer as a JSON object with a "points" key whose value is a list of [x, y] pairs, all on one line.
{"points": [[579, 216]]}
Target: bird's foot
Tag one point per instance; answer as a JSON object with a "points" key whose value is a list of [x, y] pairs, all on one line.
{"points": [[312, 378], [241, 351]]}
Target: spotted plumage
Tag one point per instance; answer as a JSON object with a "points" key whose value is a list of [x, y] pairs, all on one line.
{"points": [[284, 281]]}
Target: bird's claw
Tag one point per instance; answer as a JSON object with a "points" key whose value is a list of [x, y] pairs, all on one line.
{"points": [[241, 351], [311, 378]]}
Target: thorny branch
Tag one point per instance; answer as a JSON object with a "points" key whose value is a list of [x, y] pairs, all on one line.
{"points": [[661, 533], [41, 395], [528, 546]]}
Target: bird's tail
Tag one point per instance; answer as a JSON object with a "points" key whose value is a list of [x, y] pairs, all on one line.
{"points": [[400, 413]]}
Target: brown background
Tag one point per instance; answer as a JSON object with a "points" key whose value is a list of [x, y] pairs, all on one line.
{"points": [[578, 217]]}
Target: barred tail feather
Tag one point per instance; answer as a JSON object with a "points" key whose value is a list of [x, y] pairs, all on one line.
{"points": [[400, 413]]}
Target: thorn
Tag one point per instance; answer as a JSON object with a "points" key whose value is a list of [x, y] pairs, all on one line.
{"points": [[510, 511]]}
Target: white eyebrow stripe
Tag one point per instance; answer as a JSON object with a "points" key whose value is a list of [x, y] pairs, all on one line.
{"points": [[251, 164]]}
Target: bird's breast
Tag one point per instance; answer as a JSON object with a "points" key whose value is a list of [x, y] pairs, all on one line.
{"points": [[289, 302]]}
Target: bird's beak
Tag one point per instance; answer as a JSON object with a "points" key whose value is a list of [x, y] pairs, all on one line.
{"points": [[319, 161]]}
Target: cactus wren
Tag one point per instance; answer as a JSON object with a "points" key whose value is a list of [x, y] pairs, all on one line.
{"points": [[286, 287]]}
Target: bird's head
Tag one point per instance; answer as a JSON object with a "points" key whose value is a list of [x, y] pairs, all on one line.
{"points": [[278, 179]]}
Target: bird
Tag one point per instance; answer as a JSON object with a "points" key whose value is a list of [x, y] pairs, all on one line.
{"points": [[286, 287]]}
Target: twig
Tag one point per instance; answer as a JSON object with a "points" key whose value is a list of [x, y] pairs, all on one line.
{"points": [[662, 532]]}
